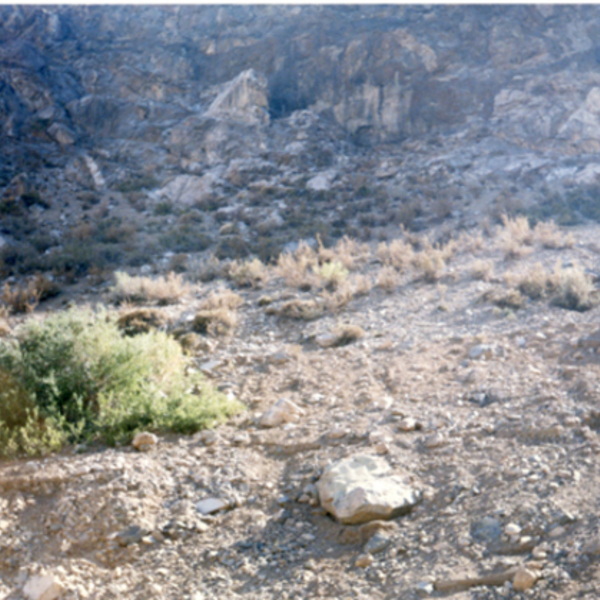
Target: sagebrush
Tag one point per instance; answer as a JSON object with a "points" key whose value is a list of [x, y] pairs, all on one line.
{"points": [[75, 377]]}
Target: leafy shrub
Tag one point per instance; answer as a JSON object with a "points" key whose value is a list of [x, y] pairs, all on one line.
{"points": [[75, 377], [162, 290], [331, 274]]}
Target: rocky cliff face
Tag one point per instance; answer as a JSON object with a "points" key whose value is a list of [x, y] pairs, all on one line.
{"points": [[404, 114]]}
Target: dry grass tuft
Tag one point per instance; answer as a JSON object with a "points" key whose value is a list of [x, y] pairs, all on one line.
{"points": [[350, 253], [217, 315], [550, 236], [482, 270], [204, 269], [346, 334], [296, 267], [305, 310], [431, 260], [134, 321], [138, 290], [21, 299], [215, 322], [535, 283], [397, 254], [387, 279], [252, 273], [516, 237], [338, 299], [361, 285], [574, 289], [512, 298]]}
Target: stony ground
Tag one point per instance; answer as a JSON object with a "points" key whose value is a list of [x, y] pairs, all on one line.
{"points": [[491, 411]]}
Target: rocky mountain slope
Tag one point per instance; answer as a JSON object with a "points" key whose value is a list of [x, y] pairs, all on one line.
{"points": [[281, 122], [420, 397]]}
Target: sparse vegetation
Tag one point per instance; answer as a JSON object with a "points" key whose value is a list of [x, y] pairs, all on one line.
{"points": [[397, 254], [134, 321], [331, 274], [305, 310], [550, 236], [482, 270], [252, 273], [75, 377], [516, 237], [161, 290], [346, 334], [217, 315], [574, 289]]}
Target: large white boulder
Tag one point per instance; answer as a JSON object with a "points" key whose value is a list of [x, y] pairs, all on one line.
{"points": [[363, 488]]}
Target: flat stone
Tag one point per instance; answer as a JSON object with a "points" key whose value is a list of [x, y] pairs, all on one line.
{"points": [[43, 587], [208, 506], [364, 488], [283, 411]]}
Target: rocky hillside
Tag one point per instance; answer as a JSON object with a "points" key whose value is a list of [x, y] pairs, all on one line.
{"points": [[148, 130]]}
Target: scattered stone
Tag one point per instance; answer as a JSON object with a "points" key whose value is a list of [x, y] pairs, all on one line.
{"points": [[283, 411], [425, 588], [144, 441], [43, 587], [481, 350], [131, 535], [512, 529], [524, 579], [208, 506], [208, 437], [409, 424], [363, 488], [488, 530], [209, 368], [378, 543], [435, 440], [363, 561]]}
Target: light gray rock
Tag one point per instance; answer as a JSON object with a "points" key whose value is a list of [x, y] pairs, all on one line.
{"points": [[364, 488], [144, 441], [283, 411], [208, 506], [245, 98], [43, 587]]}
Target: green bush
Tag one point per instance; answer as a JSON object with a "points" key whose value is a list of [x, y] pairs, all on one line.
{"points": [[75, 377]]}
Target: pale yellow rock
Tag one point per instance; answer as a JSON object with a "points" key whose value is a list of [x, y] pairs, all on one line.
{"points": [[144, 440], [363, 561], [43, 587], [524, 579]]}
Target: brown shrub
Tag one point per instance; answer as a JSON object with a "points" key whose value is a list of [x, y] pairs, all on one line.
{"points": [[550, 236], [516, 237], [512, 298], [140, 320], [21, 298], [215, 322], [162, 290], [296, 267], [387, 279], [252, 273], [305, 310], [397, 254], [574, 289], [482, 270], [346, 334]]}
